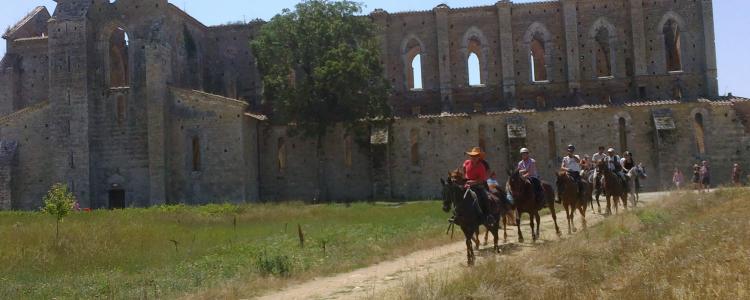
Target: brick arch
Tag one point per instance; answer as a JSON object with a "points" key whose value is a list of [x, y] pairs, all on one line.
{"points": [[611, 53], [116, 55], [700, 138], [412, 46], [474, 41], [537, 30]]}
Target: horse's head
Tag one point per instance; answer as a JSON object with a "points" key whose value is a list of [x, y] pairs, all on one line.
{"points": [[452, 192], [601, 166], [515, 183]]}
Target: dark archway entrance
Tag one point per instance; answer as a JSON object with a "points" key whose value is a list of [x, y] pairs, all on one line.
{"points": [[116, 199]]}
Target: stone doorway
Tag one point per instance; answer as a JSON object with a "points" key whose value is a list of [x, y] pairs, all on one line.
{"points": [[116, 199]]}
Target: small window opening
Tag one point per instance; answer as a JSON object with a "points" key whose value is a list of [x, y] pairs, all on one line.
{"points": [[281, 154], [414, 141], [551, 141], [482, 138], [120, 103], [622, 126], [196, 154], [414, 67], [699, 133], [474, 64], [348, 143]]}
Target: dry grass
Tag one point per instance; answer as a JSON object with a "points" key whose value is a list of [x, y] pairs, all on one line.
{"points": [[681, 248]]}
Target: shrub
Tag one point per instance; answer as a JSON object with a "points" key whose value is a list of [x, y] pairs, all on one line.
{"points": [[274, 264]]}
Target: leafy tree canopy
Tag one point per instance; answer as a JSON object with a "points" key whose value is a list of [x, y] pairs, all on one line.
{"points": [[320, 65]]}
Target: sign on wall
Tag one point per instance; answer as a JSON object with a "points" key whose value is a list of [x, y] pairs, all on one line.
{"points": [[379, 135], [516, 127], [663, 119]]}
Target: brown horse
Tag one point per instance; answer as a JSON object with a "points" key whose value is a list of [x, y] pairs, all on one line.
{"points": [[525, 201], [613, 187], [567, 192]]}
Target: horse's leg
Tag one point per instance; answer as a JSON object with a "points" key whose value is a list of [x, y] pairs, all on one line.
{"points": [[469, 251], [505, 228], [496, 235], [531, 223], [538, 224], [551, 206], [476, 237], [573, 217], [567, 215], [486, 233], [518, 226]]}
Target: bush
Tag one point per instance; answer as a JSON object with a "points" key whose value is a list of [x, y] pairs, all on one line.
{"points": [[274, 264]]}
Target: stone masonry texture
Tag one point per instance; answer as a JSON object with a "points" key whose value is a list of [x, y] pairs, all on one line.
{"points": [[134, 103]]}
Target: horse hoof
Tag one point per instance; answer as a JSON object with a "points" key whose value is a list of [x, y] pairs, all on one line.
{"points": [[520, 240], [575, 230]]}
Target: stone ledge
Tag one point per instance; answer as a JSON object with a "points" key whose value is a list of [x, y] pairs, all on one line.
{"points": [[4, 120], [207, 97]]}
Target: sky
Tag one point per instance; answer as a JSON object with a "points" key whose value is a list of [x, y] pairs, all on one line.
{"points": [[730, 20]]}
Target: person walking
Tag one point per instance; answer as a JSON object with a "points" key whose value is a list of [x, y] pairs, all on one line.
{"points": [[705, 175], [677, 178], [737, 175]]}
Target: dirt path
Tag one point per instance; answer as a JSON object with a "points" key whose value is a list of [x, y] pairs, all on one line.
{"points": [[373, 280]]}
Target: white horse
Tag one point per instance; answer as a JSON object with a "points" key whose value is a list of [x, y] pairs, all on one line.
{"points": [[636, 174]]}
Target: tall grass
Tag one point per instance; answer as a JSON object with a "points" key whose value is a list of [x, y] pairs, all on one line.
{"points": [[169, 251], [683, 248]]}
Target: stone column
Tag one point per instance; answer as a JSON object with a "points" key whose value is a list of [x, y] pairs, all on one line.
{"points": [[506, 49], [639, 37], [157, 91], [444, 61], [712, 84], [380, 17], [570, 19], [69, 104]]}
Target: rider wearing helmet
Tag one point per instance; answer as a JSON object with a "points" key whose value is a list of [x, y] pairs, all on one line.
{"points": [[571, 164], [614, 164], [527, 168]]}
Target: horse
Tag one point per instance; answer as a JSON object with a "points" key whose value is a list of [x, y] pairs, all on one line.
{"points": [[613, 187], [635, 174], [522, 191], [590, 177], [464, 204], [567, 192]]}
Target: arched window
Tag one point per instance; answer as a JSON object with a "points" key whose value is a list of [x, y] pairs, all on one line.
{"points": [[281, 154], [414, 65], [537, 59], [414, 146], [473, 63], [603, 53], [672, 46], [700, 139], [677, 92], [623, 131], [196, 154], [118, 59], [552, 141]]}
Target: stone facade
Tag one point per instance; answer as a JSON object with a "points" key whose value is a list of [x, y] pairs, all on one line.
{"points": [[135, 103]]}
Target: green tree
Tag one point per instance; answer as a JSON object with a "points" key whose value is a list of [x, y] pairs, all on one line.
{"points": [[321, 67], [59, 203]]}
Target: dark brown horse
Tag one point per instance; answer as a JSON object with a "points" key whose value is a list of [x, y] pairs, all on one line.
{"points": [[613, 187], [590, 177], [522, 191], [464, 203], [567, 192]]}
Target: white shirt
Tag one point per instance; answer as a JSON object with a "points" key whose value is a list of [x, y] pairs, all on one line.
{"points": [[571, 164], [598, 157], [611, 161]]}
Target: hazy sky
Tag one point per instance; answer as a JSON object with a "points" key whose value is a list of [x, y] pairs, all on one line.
{"points": [[730, 16]]}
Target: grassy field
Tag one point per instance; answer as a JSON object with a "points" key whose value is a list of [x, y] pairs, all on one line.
{"points": [[682, 248], [210, 252]]}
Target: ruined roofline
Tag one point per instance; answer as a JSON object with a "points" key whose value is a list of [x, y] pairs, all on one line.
{"points": [[23, 21], [210, 98], [187, 16], [25, 111], [535, 4]]}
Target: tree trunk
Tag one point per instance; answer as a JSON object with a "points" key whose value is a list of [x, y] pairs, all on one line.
{"points": [[57, 231], [322, 189]]}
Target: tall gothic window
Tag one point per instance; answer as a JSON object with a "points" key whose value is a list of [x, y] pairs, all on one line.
{"points": [[474, 63], [672, 45], [118, 59], [414, 66], [537, 59], [414, 146], [603, 53]]}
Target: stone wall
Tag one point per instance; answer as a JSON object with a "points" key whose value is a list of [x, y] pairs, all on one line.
{"points": [[29, 173], [206, 151]]}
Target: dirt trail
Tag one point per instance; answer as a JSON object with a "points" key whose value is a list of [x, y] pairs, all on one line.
{"points": [[375, 279]]}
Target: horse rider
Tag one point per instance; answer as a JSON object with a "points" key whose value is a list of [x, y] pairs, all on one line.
{"points": [[628, 163], [476, 175], [571, 164], [613, 164], [595, 159], [527, 168]]}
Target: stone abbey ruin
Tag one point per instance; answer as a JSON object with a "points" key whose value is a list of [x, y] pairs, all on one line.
{"points": [[136, 103]]}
